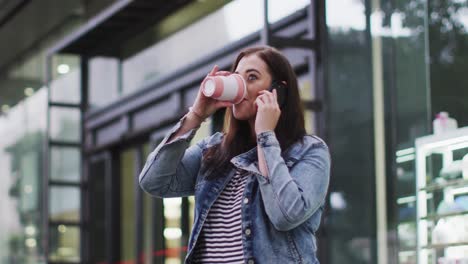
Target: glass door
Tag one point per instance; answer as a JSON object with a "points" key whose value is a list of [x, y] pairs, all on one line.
{"points": [[100, 225], [140, 217], [128, 206]]}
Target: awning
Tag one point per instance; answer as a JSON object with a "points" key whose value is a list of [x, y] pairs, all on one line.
{"points": [[123, 20]]}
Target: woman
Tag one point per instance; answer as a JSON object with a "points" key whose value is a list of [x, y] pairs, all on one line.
{"points": [[260, 185]]}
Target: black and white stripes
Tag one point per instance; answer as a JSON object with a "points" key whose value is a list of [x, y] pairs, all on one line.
{"points": [[220, 240]]}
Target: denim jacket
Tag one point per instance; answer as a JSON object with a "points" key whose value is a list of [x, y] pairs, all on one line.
{"points": [[280, 213]]}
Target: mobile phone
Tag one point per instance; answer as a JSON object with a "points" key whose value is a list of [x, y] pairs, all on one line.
{"points": [[281, 92]]}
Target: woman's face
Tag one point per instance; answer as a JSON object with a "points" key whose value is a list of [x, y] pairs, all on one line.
{"points": [[257, 77]]}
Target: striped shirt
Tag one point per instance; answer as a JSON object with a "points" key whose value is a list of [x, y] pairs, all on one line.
{"points": [[220, 239]]}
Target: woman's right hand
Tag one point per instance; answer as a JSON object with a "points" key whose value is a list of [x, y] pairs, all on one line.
{"points": [[206, 106]]}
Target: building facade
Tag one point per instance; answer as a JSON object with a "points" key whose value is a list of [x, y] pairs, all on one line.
{"points": [[90, 88]]}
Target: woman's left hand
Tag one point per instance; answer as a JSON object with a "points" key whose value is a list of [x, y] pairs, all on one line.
{"points": [[268, 111]]}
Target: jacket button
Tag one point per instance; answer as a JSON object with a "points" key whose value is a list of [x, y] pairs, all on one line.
{"points": [[246, 200], [251, 261], [248, 232]]}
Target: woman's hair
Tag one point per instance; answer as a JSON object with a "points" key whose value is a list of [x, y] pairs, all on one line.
{"points": [[237, 133]]}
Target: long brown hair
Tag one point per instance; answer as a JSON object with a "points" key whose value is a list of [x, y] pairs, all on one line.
{"points": [[237, 133]]}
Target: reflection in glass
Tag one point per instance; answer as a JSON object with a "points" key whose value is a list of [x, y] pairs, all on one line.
{"points": [[172, 229], [403, 33], [307, 94], [66, 76], [350, 132], [64, 243], [21, 149], [345, 16], [448, 42], [64, 203], [103, 81], [191, 201], [65, 164], [65, 124]]}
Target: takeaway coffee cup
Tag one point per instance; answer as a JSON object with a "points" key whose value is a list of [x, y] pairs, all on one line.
{"points": [[229, 88]]}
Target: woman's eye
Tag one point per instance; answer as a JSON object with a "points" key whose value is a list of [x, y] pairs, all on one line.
{"points": [[252, 77]]}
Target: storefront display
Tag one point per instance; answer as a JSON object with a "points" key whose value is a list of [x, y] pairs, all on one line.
{"points": [[442, 197]]}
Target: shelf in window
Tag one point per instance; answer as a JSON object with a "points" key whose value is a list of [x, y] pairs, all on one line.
{"points": [[407, 249], [446, 245], [406, 221], [436, 217], [406, 200], [450, 183]]}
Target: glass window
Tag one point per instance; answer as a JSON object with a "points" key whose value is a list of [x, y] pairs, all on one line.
{"points": [[104, 83], [307, 94], [65, 124], [65, 164], [20, 193], [173, 230], [64, 243], [65, 72], [448, 42], [97, 184], [64, 203], [23, 121], [400, 27], [351, 220]]}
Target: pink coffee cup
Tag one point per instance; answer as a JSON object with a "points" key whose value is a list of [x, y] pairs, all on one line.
{"points": [[229, 88]]}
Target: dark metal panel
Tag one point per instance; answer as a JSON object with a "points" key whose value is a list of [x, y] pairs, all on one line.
{"points": [[189, 95], [96, 243], [68, 105], [81, 32], [112, 131], [105, 34], [281, 42], [9, 9], [159, 134], [159, 112], [159, 244], [185, 226], [84, 232], [64, 183], [57, 143], [298, 57], [89, 139], [32, 27], [265, 34], [317, 13], [113, 208]]}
